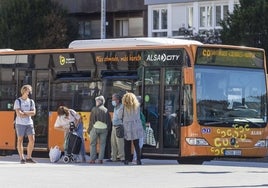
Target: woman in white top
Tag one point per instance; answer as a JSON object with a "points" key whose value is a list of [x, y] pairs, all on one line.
{"points": [[133, 130], [65, 117]]}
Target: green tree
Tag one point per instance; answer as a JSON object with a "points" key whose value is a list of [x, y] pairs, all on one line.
{"points": [[35, 24], [247, 25]]}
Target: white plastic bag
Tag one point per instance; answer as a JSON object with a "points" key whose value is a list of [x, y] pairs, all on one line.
{"points": [[149, 136], [54, 154]]}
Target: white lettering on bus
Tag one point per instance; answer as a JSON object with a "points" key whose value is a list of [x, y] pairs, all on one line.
{"points": [[162, 57]]}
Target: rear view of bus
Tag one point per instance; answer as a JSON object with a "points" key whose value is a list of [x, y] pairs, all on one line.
{"points": [[230, 119]]}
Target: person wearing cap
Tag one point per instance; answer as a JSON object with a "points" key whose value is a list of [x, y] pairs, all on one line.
{"points": [[99, 124]]}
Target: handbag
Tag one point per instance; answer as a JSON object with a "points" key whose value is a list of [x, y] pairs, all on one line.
{"points": [[119, 131], [100, 125], [54, 154], [149, 136]]}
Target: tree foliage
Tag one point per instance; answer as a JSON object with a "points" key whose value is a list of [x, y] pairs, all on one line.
{"points": [[247, 25], [35, 24]]}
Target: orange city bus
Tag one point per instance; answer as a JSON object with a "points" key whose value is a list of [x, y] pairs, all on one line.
{"points": [[201, 101]]}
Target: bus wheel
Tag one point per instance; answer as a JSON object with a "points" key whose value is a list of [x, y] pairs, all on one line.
{"points": [[191, 160]]}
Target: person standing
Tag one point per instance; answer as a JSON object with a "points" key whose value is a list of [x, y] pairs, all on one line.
{"points": [[133, 130], [117, 143], [99, 124], [143, 122], [25, 109], [65, 117]]}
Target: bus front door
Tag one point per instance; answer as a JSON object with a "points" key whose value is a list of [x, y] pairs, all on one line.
{"points": [[161, 107], [39, 80]]}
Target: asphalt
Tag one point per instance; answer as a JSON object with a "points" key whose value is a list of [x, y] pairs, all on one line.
{"points": [[151, 174], [45, 174]]}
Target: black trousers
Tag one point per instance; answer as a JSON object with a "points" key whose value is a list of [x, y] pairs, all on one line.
{"points": [[127, 148]]}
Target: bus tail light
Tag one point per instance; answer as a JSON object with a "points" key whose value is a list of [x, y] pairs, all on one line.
{"points": [[197, 141], [262, 143]]}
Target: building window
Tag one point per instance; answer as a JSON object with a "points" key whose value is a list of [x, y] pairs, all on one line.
{"points": [[160, 22], [156, 19], [129, 27], [225, 11], [202, 17], [163, 18], [218, 15], [84, 29], [136, 26], [190, 17], [221, 13], [205, 16], [121, 28], [159, 34]]}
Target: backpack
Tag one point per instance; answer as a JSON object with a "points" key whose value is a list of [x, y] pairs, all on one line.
{"points": [[31, 104]]}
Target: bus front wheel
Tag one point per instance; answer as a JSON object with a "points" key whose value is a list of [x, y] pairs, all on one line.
{"points": [[192, 160]]}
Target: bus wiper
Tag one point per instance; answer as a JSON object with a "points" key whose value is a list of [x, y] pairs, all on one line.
{"points": [[247, 120], [216, 122]]}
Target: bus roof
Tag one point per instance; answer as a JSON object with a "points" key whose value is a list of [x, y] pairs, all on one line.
{"points": [[6, 50], [130, 42]]}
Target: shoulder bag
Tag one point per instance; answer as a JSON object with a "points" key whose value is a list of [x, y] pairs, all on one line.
{"points": [[119, 131], [120, 128]]}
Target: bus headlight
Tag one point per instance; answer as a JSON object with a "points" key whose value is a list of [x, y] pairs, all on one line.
{"points": [[261, 143], [197, 141]]}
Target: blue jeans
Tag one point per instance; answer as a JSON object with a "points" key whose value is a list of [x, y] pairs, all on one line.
{"points": [[96, 134], [80, 132]]}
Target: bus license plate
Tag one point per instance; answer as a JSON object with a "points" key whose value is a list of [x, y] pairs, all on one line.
{"points": [[229, 152]]}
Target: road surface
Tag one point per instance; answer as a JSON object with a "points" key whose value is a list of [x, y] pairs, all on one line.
{"points": [[152, 174]]}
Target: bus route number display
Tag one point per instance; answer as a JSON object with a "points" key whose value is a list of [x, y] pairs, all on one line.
{"points": [[230, 57]]}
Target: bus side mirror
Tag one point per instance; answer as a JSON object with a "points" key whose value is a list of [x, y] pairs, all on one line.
{"points": [[188, 75]]}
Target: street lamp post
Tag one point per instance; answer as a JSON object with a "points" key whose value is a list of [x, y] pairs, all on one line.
{"points": [[103, 19]]}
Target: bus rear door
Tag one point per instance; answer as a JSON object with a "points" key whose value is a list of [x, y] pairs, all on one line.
{"points": [[39, 80]]}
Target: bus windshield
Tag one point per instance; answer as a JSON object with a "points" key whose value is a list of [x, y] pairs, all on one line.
{"points": [[228, 96]]}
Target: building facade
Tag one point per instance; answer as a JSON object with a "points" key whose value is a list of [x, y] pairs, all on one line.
{"points": [[152, 18], [181, 18], [124, 18]]}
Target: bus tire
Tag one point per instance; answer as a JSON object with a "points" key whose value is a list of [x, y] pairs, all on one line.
{"points": [[192, 160]]}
